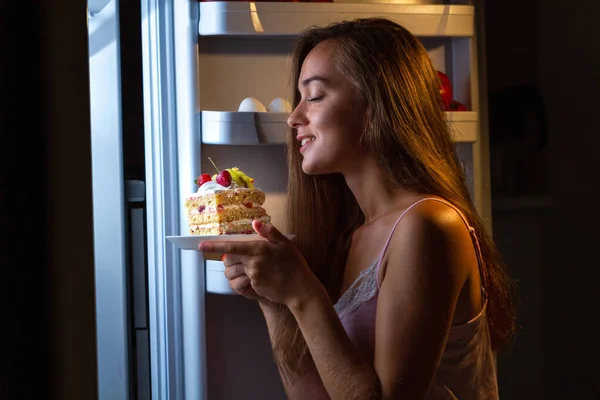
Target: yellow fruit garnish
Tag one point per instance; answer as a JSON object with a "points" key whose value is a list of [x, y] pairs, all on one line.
{"points": [[241, 178]]}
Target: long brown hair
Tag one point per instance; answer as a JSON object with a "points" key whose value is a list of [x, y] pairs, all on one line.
{"points": [[409, 136]]}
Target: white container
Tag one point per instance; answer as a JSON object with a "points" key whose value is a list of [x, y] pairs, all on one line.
{"points": [[244, 128], [216, 282], [463, 125]]}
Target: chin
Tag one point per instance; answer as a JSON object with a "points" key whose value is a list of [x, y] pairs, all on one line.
{"points": [[309, 171], [315, 169]]}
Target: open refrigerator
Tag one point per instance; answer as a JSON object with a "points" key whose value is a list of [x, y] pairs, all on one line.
{"points": [[167, 324]]}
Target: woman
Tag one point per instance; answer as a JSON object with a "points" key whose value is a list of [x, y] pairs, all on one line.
{"points": [[392, 288]]}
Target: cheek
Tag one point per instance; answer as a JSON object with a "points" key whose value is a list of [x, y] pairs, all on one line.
{"points": [[348, 132], [343, 126]]}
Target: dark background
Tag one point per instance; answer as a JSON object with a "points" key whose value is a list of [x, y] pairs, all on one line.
{"points": [[552, 48], [543, 78]]}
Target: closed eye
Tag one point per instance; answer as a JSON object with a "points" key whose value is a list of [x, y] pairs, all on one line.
{"points": [[315, 98]]}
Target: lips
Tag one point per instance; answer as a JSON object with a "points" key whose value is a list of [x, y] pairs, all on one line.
{"points": [[305, 141]]}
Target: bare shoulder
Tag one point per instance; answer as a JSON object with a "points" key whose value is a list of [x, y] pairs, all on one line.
{"points": [[433, 237], [423, 273], [433, 219]]}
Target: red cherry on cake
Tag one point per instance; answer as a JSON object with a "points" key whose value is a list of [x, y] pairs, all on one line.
{"points": [[224, 178], [202, 179]]}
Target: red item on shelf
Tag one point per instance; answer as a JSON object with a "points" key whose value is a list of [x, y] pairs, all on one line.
{"points": [[456, 106], [445, 89]]}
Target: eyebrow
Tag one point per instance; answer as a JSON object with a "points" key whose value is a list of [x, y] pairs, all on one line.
{"points": [[306, 81]]}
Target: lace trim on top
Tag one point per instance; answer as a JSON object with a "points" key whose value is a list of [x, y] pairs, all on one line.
{"points": [[363, 289]]}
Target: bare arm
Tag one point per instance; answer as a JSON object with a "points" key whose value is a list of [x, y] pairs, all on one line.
{"points": [[425, 273], [298, 389], [344, 374]]}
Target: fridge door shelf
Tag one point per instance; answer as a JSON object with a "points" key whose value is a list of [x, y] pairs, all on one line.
{"points": [[216, 282], [260, 128], [244, 128], [219, 18]]}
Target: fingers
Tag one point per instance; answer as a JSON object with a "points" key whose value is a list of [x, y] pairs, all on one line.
{"points": [[240, 285], [253, 270], [231, 259], [239, 282], [269, 232], [245, 267], [235, 271]]}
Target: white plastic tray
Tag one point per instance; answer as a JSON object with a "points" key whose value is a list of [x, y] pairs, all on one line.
{"points": [[216, 282], [244, 128], [463, 126]]}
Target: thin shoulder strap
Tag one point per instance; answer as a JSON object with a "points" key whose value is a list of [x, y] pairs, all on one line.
{"points": [[472, 233], [475, 242], [389, 238]]}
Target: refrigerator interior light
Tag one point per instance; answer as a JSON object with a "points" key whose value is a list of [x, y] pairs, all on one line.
{"points": [[255, 18]]}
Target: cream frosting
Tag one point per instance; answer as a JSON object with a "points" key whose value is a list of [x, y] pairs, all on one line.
{"points": [[213, 187]]}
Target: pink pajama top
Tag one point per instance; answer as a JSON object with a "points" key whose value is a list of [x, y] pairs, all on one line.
{"points": [[467, 370]]}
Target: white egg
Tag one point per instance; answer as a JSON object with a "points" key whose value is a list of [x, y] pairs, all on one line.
{"points": [[250, 104], [280, 105]]}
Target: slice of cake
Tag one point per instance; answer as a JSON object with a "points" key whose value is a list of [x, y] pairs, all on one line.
{"points": [[225, 204]]}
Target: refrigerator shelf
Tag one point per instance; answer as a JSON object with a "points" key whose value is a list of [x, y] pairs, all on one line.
{"points": [[220, 18], [270, 128], [243, 128]]}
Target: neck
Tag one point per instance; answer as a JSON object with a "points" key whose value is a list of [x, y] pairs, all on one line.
{"points": [[368, 186]]}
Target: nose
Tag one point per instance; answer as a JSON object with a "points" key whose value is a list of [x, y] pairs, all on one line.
{"points": [[297, 117]]}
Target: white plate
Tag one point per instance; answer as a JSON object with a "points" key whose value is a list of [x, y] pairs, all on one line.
{"points": [[193, 241]]}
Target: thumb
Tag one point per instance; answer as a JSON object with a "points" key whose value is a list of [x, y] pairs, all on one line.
{"points": [[269, 232]]}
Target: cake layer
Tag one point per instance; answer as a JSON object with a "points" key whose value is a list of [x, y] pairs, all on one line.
{"points": [[221, 214], [242, 226], [226, 197]]}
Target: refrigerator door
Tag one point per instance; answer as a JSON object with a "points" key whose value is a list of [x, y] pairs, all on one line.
{"points": [[171, 126], [139, 291], [108, 203], [185, 68]]}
